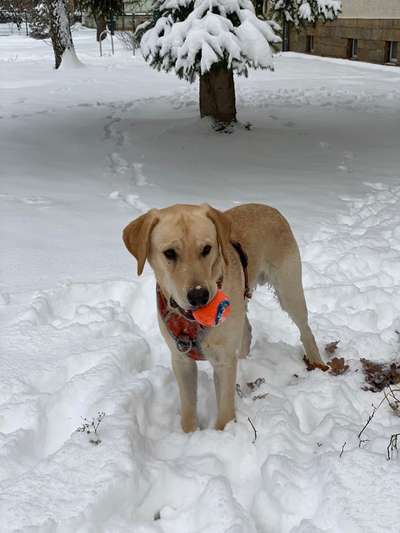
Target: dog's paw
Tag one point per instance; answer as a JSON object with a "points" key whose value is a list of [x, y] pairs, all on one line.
{"points": [[189, 424], [223, 422], [312, 366]]}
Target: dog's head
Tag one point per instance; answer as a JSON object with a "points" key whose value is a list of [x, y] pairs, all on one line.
{"points": [[187, 247]]}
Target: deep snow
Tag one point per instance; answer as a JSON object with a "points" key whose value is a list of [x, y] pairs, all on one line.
{"points": [[84, 151]]}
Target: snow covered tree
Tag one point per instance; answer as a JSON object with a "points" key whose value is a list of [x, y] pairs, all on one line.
{"points": [[213, 39], [102, 10], [39, 26], [17, 9], [210, 39], [301, 12], [60, 31]]}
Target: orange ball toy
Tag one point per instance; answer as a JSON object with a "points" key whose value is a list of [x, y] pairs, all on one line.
{"points": [[215, 312]]}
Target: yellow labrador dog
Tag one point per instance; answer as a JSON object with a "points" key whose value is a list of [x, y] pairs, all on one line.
{"points": [[193, 250]]}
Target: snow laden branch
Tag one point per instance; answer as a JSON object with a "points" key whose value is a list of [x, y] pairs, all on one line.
{"points": [[300, 12], [190, 37]]}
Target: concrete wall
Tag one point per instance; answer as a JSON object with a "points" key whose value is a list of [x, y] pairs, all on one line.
{"points": [[372, 9]]}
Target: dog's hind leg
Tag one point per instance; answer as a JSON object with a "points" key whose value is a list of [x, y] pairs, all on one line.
{"points": [[286, 279], [246, 339]]}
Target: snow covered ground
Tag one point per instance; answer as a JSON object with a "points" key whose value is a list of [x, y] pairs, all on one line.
{"points": [[84, 151]]}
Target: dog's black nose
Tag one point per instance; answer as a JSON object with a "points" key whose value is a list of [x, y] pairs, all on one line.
{"points": [[198, 296]]}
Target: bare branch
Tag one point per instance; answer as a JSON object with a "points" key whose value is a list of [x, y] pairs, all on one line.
{"points": [[392, 446], [393, 400], [371, 416], [342, 450], [91, 427], [254, 429]]}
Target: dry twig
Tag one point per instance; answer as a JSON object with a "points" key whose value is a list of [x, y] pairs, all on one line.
{"points": [[342, 450], [392, 446], [239, 391], [393, 400], [91, 427], [254, 429], [260, 396], [256, 384], [371, 416], [251, 386]]}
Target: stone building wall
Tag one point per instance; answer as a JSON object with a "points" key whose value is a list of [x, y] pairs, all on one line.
{"points": [[333, 39], [371, 9]]}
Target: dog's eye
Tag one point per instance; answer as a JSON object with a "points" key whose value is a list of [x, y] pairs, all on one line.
{"points": [[170, 254], [206, 250]]}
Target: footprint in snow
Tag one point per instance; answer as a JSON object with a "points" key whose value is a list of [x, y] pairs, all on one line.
{"points": [[131, 199], [324, 145], [344, 168], [117, 164], [135, 201], [37, 200], [40, 201], [138, 176], [4, 298]]}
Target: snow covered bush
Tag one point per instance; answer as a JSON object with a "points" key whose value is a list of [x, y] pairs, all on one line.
{"points": [[213, 39], [102, 11]]}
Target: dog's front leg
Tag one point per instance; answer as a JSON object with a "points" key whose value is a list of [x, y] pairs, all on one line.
{"points": [[225, 387], [186, 375]]}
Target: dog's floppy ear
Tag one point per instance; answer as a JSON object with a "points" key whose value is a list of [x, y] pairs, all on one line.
{"points": [[137, 235], [223, 226]]}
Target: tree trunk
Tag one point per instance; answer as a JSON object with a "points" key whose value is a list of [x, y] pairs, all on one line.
{"points": [[101, 25], [60, 30], [217, 95]]}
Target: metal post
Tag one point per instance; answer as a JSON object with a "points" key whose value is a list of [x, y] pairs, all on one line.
{"points": [[26, 23], [112, 43], [101, 41], [133, 34]]}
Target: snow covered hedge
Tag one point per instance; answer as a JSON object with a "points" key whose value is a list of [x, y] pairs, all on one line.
{"points": [[190, 36]]}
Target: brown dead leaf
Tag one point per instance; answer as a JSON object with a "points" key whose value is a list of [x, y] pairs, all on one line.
{"points": [[337, 366], [380, 375], [331, 347]]}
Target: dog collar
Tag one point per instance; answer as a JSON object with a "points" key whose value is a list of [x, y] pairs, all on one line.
{"points": [[244, 261], [185, 331], [182, 326]]}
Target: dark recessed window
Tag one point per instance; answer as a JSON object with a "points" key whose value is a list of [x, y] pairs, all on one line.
{"points": [[310, 44], [353, 48], [393, 50]]}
